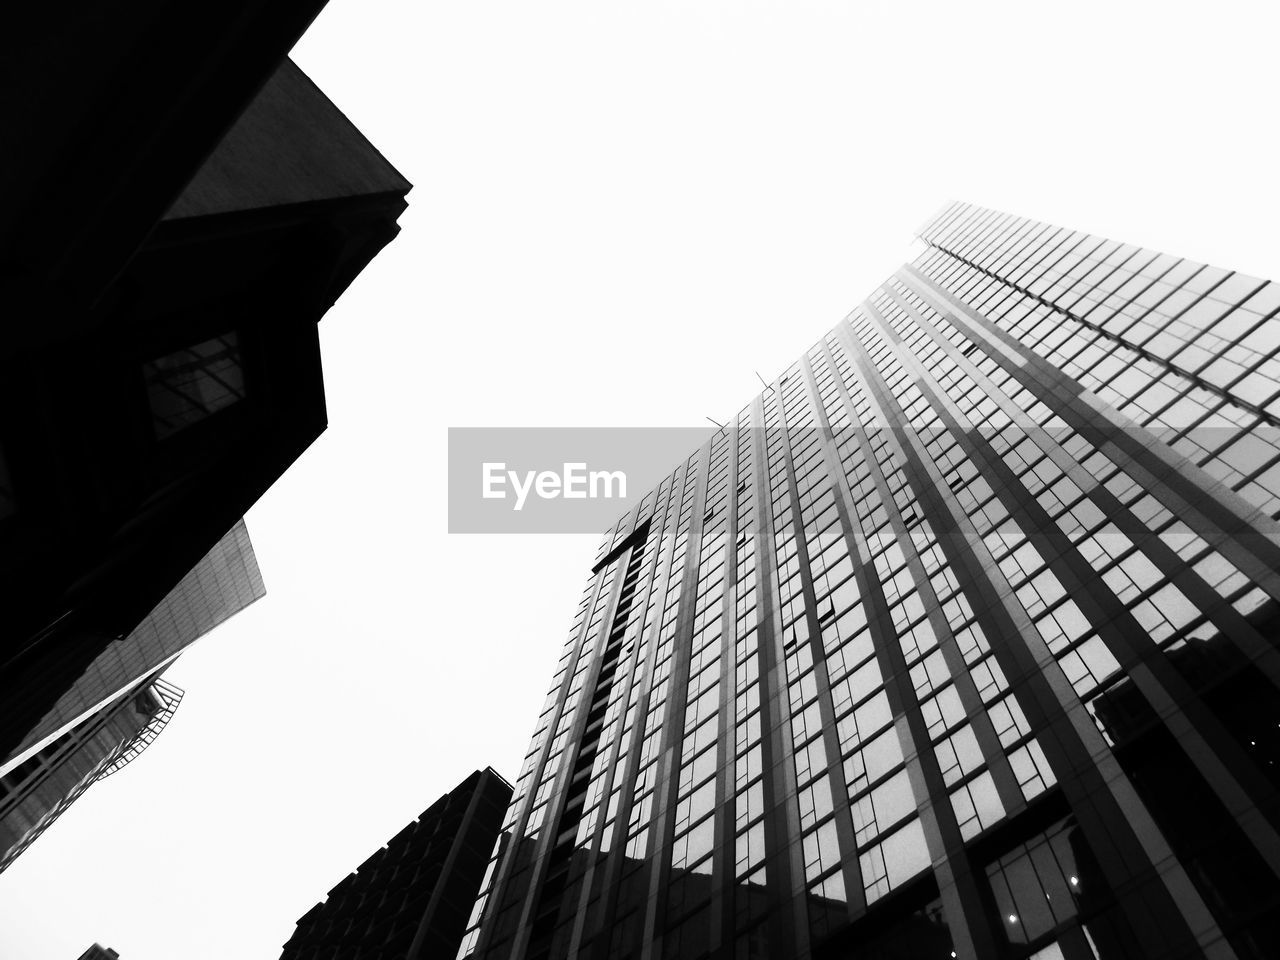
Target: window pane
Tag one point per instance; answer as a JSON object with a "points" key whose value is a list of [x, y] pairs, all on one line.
{"points": [[186, 386]]}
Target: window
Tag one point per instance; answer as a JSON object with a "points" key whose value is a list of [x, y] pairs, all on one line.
{"points": [[1036, 886], [188, 385], [893, 861]]}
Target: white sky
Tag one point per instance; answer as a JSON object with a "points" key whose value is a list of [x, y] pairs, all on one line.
{"points": [[664, 195]]}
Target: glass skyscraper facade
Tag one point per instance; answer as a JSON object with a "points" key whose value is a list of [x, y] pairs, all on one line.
{"points": [[119, 704], [959, 641], [223, 583], [44, 786]]}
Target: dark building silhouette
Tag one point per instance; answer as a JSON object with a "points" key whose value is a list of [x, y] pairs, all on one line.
{"points": [[411, 899], [99, 952], [183, 209], [960, 640]]}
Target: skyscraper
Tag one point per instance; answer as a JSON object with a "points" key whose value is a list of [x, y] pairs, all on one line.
{"points": [[224, 582], [959, 641], [40, 789], [119, 704], [410, 899], [186, 207]]}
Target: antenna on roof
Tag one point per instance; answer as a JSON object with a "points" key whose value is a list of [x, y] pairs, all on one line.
{"points": [[767, 386], [717, 423]]}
